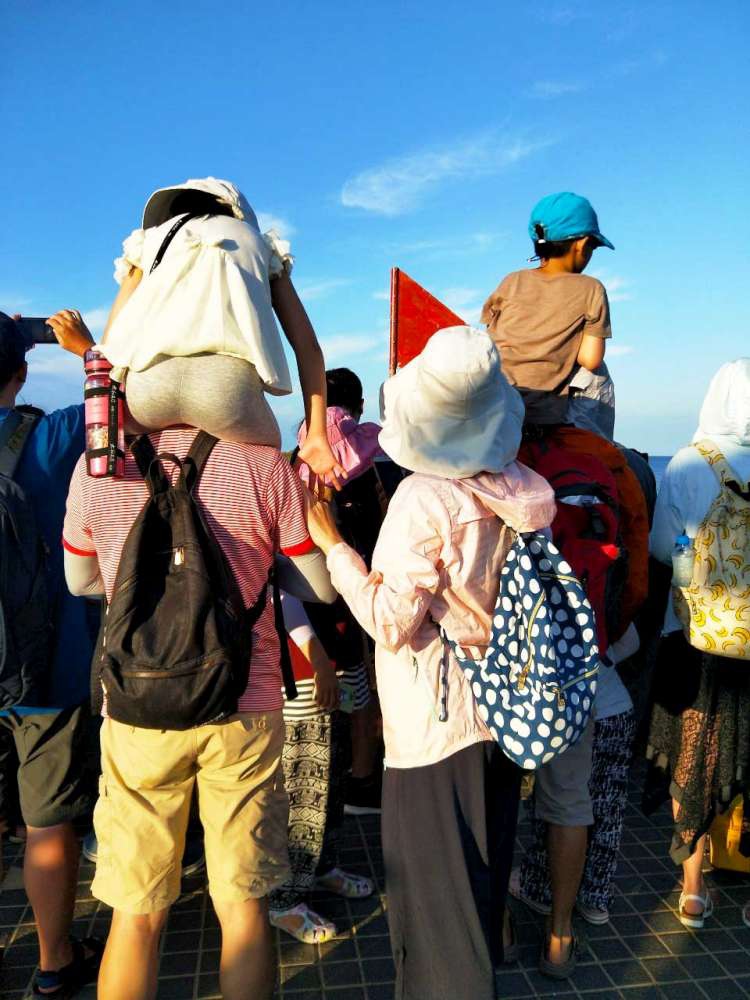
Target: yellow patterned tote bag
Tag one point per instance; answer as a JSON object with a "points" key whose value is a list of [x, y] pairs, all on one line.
{"points": [[715, 608]]}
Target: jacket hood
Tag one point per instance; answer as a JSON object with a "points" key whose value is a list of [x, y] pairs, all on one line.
{"points": [[522, 498], [726, 408]]}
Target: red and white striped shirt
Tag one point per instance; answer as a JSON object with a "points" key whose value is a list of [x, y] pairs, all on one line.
{"points": [[253, 502]]}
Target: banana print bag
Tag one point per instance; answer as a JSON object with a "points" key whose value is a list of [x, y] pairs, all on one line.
{"points": [[715, 608]]}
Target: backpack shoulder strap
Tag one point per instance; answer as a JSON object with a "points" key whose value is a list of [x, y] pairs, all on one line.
{"points": [[169, 237], [195, 460], [722, 469], [148, 464], [14, 433]]}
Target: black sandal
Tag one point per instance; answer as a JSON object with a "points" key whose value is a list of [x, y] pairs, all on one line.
{"points": [[64, 983]]}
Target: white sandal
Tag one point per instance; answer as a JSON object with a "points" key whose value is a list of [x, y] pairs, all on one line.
{"points": [[695, 920], [343, 884], [314, 929]]}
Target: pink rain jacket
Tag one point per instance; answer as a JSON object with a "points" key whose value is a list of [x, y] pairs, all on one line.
{"points": [[437, 560]]}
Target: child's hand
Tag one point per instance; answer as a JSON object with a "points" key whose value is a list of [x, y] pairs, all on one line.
{"points": [[325, 470], [327, 692], [322, 527]]}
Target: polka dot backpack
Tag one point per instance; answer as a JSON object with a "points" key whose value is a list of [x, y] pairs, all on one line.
{"points": [[535, 686]]}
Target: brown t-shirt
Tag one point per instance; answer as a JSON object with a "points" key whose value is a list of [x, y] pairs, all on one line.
{"points": [[537, 324]]}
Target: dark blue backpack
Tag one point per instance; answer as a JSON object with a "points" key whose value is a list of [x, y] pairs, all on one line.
{"points": [[25, 619], [535, 686]]}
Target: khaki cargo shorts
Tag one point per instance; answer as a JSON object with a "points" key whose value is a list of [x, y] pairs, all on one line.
{"points": [[141, 818]]}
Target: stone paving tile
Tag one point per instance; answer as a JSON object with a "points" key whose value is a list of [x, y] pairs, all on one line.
{"points": [[643, 953]]}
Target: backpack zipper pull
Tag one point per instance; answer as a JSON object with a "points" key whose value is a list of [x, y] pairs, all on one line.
{"points": [[521, 683], [560, 699]]}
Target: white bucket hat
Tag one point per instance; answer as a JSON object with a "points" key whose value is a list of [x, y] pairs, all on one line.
{"points": [[451, 412], [158, 207]]}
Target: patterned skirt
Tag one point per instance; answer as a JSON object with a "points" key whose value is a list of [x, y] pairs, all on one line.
{"points": [[699, 740], [315, 759]]}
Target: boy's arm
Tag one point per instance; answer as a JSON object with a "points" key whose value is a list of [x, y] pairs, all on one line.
{"points": [[596, 330], [591, 351], [316, 451]]}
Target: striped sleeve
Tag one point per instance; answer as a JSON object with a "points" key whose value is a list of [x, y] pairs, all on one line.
{"points": [[288, 509], [76, 531]]}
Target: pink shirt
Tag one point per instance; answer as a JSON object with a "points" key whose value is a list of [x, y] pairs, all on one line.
{"points": [[252, 500], [438, 559]]}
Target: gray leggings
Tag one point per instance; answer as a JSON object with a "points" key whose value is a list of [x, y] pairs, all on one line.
{"points": [[215, 392]]}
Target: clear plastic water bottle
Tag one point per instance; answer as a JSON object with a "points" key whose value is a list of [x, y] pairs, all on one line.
{"points": [[683, 561]]}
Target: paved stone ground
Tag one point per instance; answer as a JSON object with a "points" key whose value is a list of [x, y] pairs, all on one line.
{"points": [[644, 953]]}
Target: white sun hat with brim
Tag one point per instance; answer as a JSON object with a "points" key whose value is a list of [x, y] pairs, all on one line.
{"points": [[159, 205], [450, 411]]}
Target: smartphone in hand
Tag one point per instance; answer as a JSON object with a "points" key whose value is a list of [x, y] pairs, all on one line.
{"points": [[36, 330]]}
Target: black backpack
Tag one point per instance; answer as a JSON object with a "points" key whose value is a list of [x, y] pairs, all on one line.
{"points": [[25, 614], [175, 644]]}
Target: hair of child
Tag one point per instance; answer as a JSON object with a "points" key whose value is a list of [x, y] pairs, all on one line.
{"points": [[344, 389]]}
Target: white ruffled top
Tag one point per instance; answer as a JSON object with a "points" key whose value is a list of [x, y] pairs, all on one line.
{"points": [[211, 294]]}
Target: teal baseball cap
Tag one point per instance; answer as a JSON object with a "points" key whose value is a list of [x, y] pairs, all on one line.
{"points": [[565, 216]]}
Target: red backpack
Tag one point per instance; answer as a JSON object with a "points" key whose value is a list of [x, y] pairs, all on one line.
{"points": [[586, 528]]}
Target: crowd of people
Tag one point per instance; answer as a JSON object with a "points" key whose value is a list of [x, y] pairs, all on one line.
{"points": [[431, 617]]}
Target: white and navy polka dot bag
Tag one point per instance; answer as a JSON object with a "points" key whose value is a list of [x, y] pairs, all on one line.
{"points": [[535, 687]]}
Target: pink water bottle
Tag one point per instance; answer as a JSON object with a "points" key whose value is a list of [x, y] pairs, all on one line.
{"points": [[105, 423]]}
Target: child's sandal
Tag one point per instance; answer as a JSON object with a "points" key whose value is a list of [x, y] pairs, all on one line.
{"points": [[695, 920], [310, 928], [343, 884]]}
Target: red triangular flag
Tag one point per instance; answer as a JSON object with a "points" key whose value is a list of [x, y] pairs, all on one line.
{"points": [[415, 316]]}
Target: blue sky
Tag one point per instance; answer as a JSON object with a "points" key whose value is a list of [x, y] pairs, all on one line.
{"points": [[409, 134]]}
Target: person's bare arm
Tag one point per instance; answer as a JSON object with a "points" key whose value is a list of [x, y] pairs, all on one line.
{"points": [[316, 451], [591, 351], [128, 286]]}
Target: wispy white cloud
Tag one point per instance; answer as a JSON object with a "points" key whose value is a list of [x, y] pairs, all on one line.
{"points": [[619, 350], [618, 288], [455, 245], [51, 360], [268, 220], [549, 89], [382, 296], [400, 185], [465, 302], [555, 13], [13, 302], [351, 346], [321, 289], [95, 319], [641, 63]]}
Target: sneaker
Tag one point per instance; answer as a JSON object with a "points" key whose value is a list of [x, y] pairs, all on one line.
{"points": [[362, 796], [592, 914], [90, 847], [194, 857], [514, 888]]}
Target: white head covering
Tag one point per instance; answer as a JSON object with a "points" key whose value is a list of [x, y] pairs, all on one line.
{"points": [[726, 408], [159, 205], [451, 412]]}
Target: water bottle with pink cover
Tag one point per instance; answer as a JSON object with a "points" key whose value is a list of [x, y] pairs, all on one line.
{"points": [[105, 423]]}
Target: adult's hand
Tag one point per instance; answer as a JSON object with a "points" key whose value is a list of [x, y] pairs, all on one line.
{"points": [[324, 468], [322, 526], [71, 332]]}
